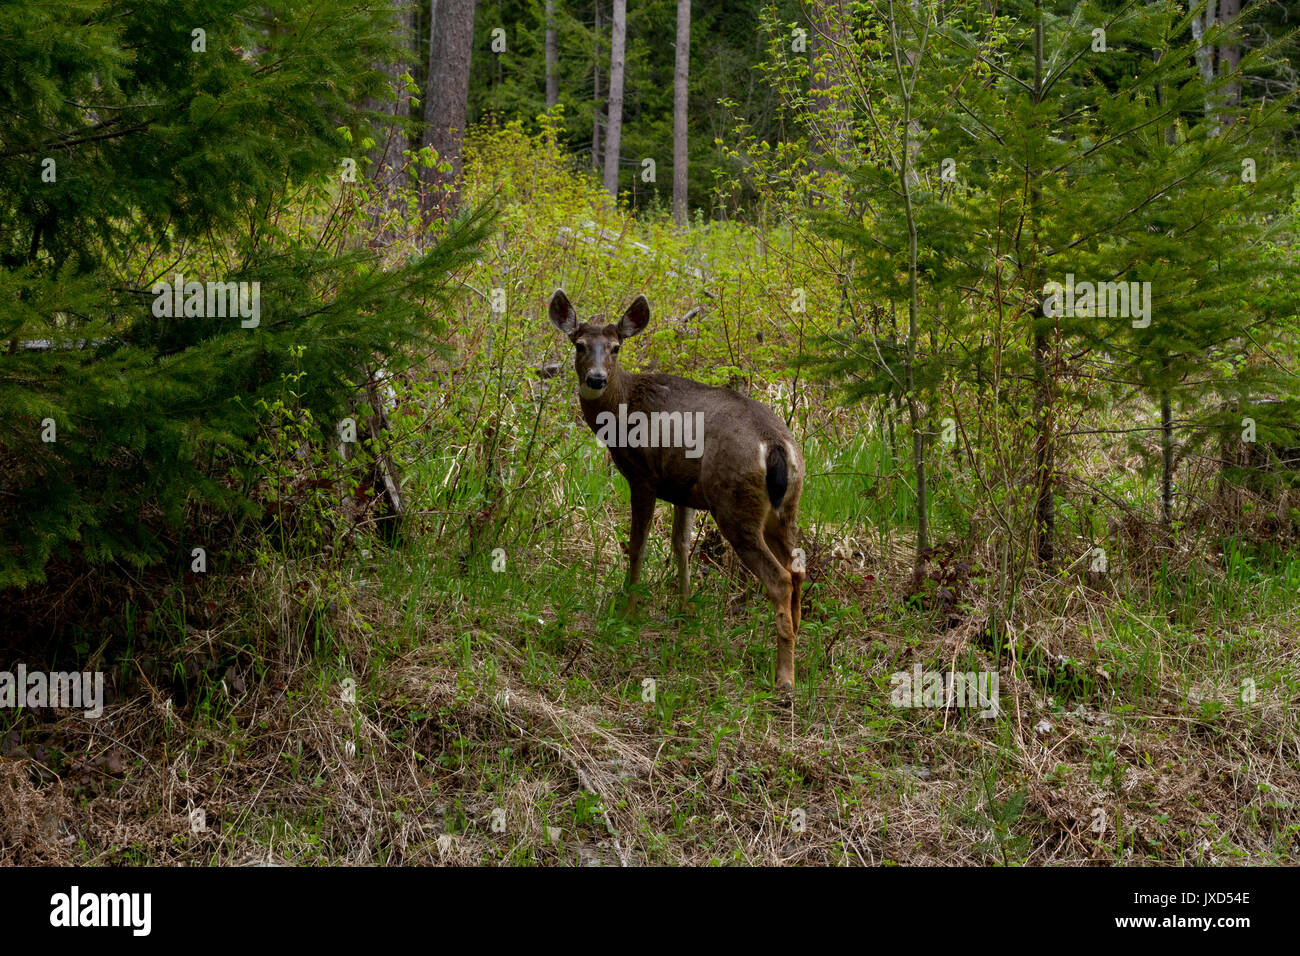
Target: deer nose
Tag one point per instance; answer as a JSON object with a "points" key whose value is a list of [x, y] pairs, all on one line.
{"points": [[595, 381]]}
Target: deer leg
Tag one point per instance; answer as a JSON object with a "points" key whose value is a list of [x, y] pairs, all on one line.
{"points": [[683, 519], [643, 512], [796, 598], [777, 582], [779, 535]]}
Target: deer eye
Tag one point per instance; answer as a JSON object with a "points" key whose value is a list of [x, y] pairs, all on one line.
{"points": [[615, 350], [581, 347]]}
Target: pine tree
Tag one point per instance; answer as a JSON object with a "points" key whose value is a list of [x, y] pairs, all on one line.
{"points": [[1201, 196], [149, 139], [1081, 146]]}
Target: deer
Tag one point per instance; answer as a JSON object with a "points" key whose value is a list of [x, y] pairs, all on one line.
{"points": [[699, 448]]}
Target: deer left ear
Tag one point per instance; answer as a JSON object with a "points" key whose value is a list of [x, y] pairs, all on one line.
{"points": [[635, 318]]}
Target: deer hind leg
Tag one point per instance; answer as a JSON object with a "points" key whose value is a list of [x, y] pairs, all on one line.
{"points": [[778, 533], [643, 513], [755, 554], [683, 521]]}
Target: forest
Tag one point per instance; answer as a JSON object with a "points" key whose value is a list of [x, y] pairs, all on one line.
{"points": [[981, 547]]}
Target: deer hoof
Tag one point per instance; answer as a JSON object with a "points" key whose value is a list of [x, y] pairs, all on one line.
{"points": [[785, 691]]}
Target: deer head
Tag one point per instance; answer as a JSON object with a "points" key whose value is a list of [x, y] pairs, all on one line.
{"points": [[595, 344]]}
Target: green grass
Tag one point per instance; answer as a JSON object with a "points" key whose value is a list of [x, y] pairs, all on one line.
{"points": [[525, 691]]}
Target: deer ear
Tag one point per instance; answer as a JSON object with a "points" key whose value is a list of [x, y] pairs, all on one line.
{"points": [[635, 318], [562, 314]]}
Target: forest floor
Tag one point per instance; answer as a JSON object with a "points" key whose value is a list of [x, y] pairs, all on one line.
{"points": [[401, 707]]}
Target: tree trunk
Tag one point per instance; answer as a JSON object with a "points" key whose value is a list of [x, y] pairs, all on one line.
{"points": [[1204, 52], [614, 129], [446, 98], [1166, 462], [552, 75], [595, 98], [1044, 457], [1230, 54], [387, 165], [681, 80], [1205, 59], [828, 136], [913, 302]]}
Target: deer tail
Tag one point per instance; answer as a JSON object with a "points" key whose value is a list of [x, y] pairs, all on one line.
{"points": [[777, 474]]}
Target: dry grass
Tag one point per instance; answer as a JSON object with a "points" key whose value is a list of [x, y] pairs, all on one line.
{"points": [[1093, 760]]}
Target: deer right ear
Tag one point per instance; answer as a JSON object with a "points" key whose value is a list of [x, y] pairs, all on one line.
{"points": [[562, 313]]}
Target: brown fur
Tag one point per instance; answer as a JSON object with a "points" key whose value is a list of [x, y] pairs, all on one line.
{"points": [[730, 479]]}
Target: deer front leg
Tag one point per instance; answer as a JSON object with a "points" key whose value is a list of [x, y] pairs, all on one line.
{"points": [[683, 520], [643, 512]]}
